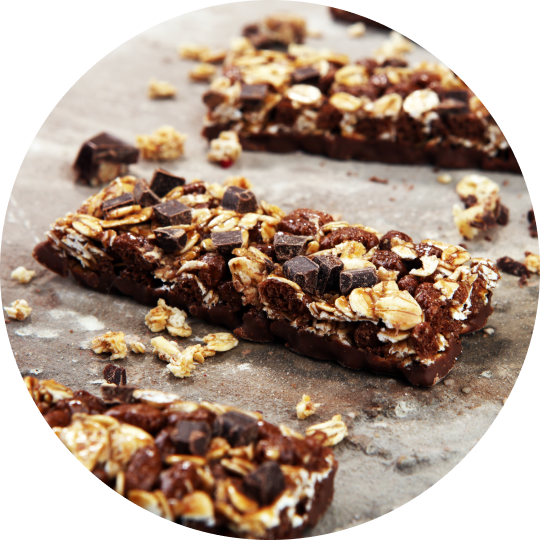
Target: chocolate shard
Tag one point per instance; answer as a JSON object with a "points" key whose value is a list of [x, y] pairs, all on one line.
{"points": [[126, 199], [163, 182], [239, 429], [265, 483], [303, 272], [330, 267], [240, 200], [191, 437], [306, 75], [143, 195], [288, 246], [173, 213], [117, 394], [354, 279], [225, 242], [170, 239], [504, 215], [253, 93], [115, 374]]}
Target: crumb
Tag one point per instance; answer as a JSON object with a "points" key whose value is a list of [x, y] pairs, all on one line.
{"points": [[335, 430], [436, 169], [356, 30], [164, 316], [505, 182], [226, 149], [160, 89], [306, 407], [110, 342], [488, 238], [392, 199], [444, 178], [314, 34], [378, 180], [165, 144], [22, 275], [190, 51], [18, 310], [464, 246], [202, 72], [213, 57], [137, 347]]}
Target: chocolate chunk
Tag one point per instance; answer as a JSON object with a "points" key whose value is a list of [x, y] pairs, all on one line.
{"points": [[239, 429], [305, 75], [265, 483], [126, 199], [212, 99], [143, 469], [533, 231], [143, 195], [173, 213], [288, 246], [515, 268], [117, 394], [458, 95], [254, 93], [504, 215], [115, 374], [163, 182], [330, 267], [387, 242], [191, 437], [170, 239], [353, 279], [139, 415], [225, 242], [303, 272], [452, 106], [240, 200]]}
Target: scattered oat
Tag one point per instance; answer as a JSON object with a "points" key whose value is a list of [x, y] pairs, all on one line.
{"points": [[356, 30], [165, 144], [164, 316], [444, 178], [190, 51], [532, 262], [213, 57], [181, 362], [19, 310], [394, 47], [221, 341], [489, 331], [335, 430], [110, 342], [137, 347], [306, 407], [160, 89], [202, 72], [22, 275], [226, 149]]}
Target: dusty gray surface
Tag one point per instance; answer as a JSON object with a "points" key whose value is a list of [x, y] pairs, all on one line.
{"points": [[402, 439]]}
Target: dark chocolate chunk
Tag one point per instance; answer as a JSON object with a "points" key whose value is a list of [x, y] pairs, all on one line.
{"points": [[515, 268], [240, 200], [305, 75], [303, 272], [265, 483], [239, 429], [458, 95], [353, 279], [330, 267], [163, 182], [143, 195], [117, 394], [288, 246], [212, 99], [225, 242], [191, 437], [504, 215], [253, 92], [533, 231], [115, 374], [452, 106], [126, 199], [172, 213], [170, 239], [143, 469]]}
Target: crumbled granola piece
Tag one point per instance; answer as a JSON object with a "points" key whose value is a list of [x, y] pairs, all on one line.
{"points": [[181, 362], [238, 181], [19, 310], [356, 30], [22, 275], [165, 144], [160, 89], [226, 149], [532, 262], [202, 72], [306, 407], [213, 57], [335, 430], [137, 347], [164, 316], [444, 178], [190, 51], [394, 47], [110, 342], [221, 341]]}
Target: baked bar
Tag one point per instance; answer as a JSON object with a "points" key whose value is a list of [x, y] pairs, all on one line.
{"points": [[384, 110], [347, 16], [211, 467], [329, 289]]}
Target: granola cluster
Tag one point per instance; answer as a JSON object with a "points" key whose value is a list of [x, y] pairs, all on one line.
{"points": [[18, 309], [165, 144]]}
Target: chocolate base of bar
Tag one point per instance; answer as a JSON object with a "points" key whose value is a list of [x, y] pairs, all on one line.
{"points": [[254, 326], [345, 148]]}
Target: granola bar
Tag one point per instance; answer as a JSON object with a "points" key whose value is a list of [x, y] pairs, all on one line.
{"points": [[211, 467], [347, 16], [329, 289]]}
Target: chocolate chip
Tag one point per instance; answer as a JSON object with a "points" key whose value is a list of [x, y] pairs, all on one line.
{"points": [[163, 182], [191, 437], [173, 213], [170, 239], [117, 394], [139, 415], [225, 242], [239, 429], [144, 195], [240, 200], [126, 199], [143, 469], [115, 374], [303, 272], [330, 267], [212, 99], [305, 75], [253, 92], [265, 483], [515, 268], [504, 215], [288, 246], [353, 279]]}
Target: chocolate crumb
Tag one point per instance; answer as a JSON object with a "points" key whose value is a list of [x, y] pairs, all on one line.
{"points": [[378, 180], [488, 238], [505, 183], [115, 375], [515, 268], [464, 246]]}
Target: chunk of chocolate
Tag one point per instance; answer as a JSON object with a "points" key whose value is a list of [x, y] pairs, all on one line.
{"points": [[163, 182], [253, 93], [143, 195], [115, 374], [303, 272], [265, 483], [212, 99], [515, 268], [353, 279], [330, 267], [305, 75], [117, 394], [191, 437], [170, 239], [225, 242], [172, 213], [126, 199], [240, 200], [288, 246], [452, 106], [458, 95], [239, 429]]}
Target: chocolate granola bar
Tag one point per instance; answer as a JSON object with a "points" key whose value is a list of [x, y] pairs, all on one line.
{"points": [[323, 103], [328, 289], [347, 16], [211, 467]]}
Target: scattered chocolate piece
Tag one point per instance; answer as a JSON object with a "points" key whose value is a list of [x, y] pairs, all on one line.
{"points": [[354, 279], [522, 281], [191, 437], [378, 180], [126, 199], [532, 223], [265, 483], [170, 239], [330, 267], [240, 200], [173, 213], [117, 394], [253, 93], [115, 374], [488, 238], [303, 272], [143, 195], [163, 182], [239, 429], [515, 268], [225, 242], [288, 246]]}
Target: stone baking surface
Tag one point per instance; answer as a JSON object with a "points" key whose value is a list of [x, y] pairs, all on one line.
{"points": [[401, 439]]}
